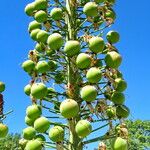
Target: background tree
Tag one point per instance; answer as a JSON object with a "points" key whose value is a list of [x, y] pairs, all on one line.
{"points": [[76, 86]]}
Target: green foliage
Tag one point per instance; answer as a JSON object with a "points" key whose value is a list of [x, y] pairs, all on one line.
{"points": [[11, 142]]}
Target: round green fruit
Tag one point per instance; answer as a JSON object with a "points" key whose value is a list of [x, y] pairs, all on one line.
{"points": [[83, 61], [42, 36], [110, 14], [29, 121], [23, 143], [41, 124], [91, 9], [88, 93], [83, 128], [27, 89], [33, 145], [113, 37], [42, 67], [40, 138], [28, 66], [33, 112], [40, 47], [52, 65], [55, 41], [96, 44], [69, 108], [2, 87], [94, 75], [119, 144], [3, 130], [72, 48], [113, 59], [122, 111], [29, 9], [111, 112], [34, 33], [29, 133], [34, 25], [120, 85], [56, 13], [41, 4], [118, 98], [56, 134], [38, 90], [40, 16]]}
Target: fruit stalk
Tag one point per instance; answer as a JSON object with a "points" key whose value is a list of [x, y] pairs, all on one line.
{"points": [[73, 76]]}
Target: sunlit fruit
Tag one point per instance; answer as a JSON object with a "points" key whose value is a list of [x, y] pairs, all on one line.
{"points": [[42, 36], [118, 98], [69, 108], [113, 37], [28, 66], [40, 47], [3, 130], [83, 61], [56, 134], [29, 121], [83, 128], [23, 143], [120, 84], [33, 145], [34, 25], [41, 4], [56, 13], [88, 93], [2, 87], [40, 16], [72, 48], [42, 67], [33, 111], [110, 14], [91, 9], [55, 41], [38, 90], [96, 44], [34, 33], [119, 144], [40, 138], [94, 75], [52, 65], [111, 112], [122, 111], [41, 124], [27, 89], [113, 59], [29, 9], [29, 133]]}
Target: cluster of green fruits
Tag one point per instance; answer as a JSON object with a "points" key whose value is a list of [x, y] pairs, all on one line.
{"points": [[3, 127], [50, 60]]}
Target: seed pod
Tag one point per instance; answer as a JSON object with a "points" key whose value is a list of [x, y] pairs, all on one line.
{"points": [[56, 134], [29, 121], [42, 67], [29, 133], [40, 138], [3, 130], [111, 112], [40, 47], [40, 16], [83, 128], [88, 93], [23, 143], [56, 13], [113, 59], [72, 48], [41, 124], [2, 87], [34, 145], [34, 25], [113, 37], [110, 14], [42, 36], [27, 89], [33, 111], [96, 44], [83, 61], [28, 66], [34, 33], [118, 98], [120, 85], [38, 90], [91, 9], [41, 4], [122, 111], [69, 108], [29, 9]]}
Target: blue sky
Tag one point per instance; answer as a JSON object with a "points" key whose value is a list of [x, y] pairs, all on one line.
{"points": [[133, 24]]}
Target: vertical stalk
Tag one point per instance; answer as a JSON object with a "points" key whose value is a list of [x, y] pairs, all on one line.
{"points": [[73, 76]]}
